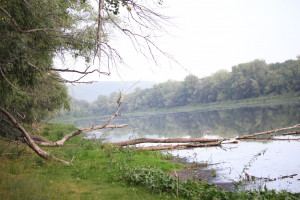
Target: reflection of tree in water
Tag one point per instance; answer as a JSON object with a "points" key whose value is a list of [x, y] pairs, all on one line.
{"points": [[225, 123]]}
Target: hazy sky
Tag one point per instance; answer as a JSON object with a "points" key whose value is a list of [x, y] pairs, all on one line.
{"points": [[210, 35]]}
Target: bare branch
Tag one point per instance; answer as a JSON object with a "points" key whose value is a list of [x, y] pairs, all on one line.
{"points": [[29, 140], [79, 131], [268, 132]]}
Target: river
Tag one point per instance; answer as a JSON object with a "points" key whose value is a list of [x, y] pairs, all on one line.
{"points": [[266, 163]]}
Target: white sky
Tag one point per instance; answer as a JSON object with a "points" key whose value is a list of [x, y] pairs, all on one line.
{"points": [[217, 34]]}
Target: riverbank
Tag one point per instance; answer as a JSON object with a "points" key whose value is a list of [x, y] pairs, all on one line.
{"points": [[102, 171], [252, 102]]}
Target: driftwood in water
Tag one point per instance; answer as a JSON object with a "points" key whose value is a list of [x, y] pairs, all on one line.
{"points": [[268, 132], [292, 133], [171, 140], [271, 139], [184, 146], [249, 177], [179, 146]]}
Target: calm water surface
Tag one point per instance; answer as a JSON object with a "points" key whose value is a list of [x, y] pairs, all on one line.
{"points": [[271, 160]]}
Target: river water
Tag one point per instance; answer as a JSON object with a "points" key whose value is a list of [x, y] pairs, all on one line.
{"points": [[264, 163]]}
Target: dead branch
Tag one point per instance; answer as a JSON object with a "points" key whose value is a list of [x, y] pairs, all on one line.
{"points": [[29, 140], [79, 131], [179, 146], [268, 132], [171, 140], [191, 143], [34, 141], [271, 139], [291, 133]]}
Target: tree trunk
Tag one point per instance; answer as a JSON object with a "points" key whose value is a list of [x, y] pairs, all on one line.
{"points": [[171, 140], [32, 141], [268, 132], [184, 146]]}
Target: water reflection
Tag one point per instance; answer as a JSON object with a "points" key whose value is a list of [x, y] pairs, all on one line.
{"points": [[224, 123], [279, 158]]}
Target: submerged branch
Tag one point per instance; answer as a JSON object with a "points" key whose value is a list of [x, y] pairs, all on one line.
{"points": [[268, 132]]}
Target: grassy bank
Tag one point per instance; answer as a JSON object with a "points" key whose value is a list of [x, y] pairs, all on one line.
{"points": [[101, 171], [95, 173]]}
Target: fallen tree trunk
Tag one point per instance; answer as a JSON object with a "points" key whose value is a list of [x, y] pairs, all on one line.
{"points": [[184, 146], [268, 132], [179, 146], [292, 133], [70, 135], [29, 140], [171, 140], [34, 141], [271, 139]]}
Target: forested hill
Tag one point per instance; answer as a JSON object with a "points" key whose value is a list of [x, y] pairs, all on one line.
{"points": [[247, 80], [90, 92]]}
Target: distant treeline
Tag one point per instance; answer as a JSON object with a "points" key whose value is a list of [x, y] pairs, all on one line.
{"points": [[247, 80]]}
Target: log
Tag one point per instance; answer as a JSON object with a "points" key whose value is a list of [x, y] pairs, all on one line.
{"points": [[70, 135], [179, 146], [185, 146], [33, 141], [268, 132], [171, 140], [292, 133], [271, 139], [30, 141]]}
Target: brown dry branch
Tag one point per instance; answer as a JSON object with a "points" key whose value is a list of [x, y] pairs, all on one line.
{"points": [[179, 146], [272, 139], [170, 140], [291, 133], [268, 132], [79, 131], [34, 141], [29, 140], [212, 143]]}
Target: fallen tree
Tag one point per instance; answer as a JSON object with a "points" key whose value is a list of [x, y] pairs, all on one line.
{"points": [[184, 146], [170, 140], [297, 126], [34, 141]]}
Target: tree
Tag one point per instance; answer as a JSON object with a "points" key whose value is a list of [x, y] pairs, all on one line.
{"points": [[189, 86], [32, 33], [249, 79]]}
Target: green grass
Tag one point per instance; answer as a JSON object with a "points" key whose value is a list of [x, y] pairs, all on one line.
{"points": [[102, 171], [95, 173]]}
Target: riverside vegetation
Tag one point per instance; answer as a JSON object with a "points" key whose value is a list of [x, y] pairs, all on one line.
{"points": [[246, 82], [102, 171]]}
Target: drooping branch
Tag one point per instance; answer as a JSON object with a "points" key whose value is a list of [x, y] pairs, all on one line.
{"points": [[268, 132]]}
